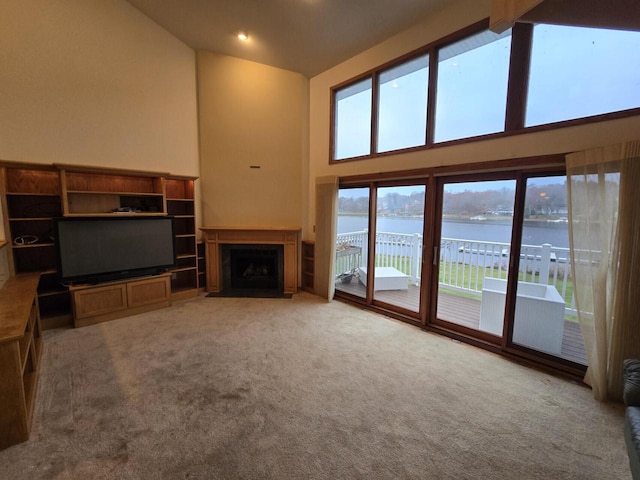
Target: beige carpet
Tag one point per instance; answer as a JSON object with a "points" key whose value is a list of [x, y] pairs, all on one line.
{"points": [[236, 388]]}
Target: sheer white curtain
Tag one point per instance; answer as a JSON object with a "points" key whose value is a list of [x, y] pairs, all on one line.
{"points": [[326, 224], [604, 208]]}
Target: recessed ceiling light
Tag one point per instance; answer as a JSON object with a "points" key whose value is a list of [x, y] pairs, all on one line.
{"points": [[244, 36]]}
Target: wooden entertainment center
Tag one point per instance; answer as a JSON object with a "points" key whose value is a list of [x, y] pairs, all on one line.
{"points": [[32, 195]]}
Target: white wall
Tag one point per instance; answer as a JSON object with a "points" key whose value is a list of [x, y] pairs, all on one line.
{"points": [[95, 82], [448, 20], [251, 114]]}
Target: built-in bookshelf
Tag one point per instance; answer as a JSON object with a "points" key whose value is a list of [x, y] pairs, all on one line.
{"points": [[33, 195], [31, 199], [308, 266], [181, 206], [202, 267]]}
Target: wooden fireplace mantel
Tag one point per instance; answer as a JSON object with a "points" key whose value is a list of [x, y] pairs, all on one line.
{"points": [[286, 236]]}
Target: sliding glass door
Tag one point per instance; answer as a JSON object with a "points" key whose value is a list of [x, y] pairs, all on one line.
{"points": [[483, 256], [545, 319], [383, 268], [352, 241], [473, 253], [398, 247]]}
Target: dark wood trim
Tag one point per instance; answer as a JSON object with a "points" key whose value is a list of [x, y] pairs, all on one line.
{"points": [[417, 316], [27, 166], [434, 241], [108, 170], [522, 358], [508, 345], [434, 178], [432, 92], [514, 258], [378, 308], [374, 74], [457, 178], [518, 86], [484, 338], [375, 110], [332, 119], [492, 136], [371, 255], [580, 121], [441, 42], [353, 80], [529, 164], [332, 126], [464, 32], [428, 244], [537, 362], [522, 38]]}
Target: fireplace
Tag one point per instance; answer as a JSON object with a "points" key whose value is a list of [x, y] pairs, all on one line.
{"points": [[252, 267], [252, 246]]}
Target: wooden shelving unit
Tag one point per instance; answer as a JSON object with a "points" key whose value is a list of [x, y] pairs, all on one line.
{"points": [[181, 205], [31, 198], [308, 266], [20, 350], [33, 195], [94, 192], [202, 267]]}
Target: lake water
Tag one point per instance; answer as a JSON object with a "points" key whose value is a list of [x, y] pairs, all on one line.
{"points": [[534, 232]]}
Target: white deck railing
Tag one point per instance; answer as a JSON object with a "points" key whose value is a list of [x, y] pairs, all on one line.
{"points": [[463, 263]]}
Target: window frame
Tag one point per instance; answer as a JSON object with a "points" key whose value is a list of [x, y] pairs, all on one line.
{"points": [[517, 88], [376, 144], [520, 169]]}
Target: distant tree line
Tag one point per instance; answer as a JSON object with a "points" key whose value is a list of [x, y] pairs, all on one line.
{"points": [[547, 200]]}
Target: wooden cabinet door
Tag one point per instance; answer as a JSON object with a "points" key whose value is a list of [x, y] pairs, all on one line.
{"points": [[99, 300]]}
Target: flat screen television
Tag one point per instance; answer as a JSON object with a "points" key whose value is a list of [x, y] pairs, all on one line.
{"points": [[99, 249]]}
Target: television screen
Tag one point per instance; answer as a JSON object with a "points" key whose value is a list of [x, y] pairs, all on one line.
{"points": [[92, 249]]}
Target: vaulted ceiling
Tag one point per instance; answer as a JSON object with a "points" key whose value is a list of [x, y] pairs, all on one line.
{"points": [[306, 36]]}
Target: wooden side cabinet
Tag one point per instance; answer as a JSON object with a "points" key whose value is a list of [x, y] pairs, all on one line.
{"points": [[20, 349], [308, 264], [181, 206], [100, 303]]}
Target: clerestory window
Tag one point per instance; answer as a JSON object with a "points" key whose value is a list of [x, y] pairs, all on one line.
{"points": [[483, 83], [578, 72]]}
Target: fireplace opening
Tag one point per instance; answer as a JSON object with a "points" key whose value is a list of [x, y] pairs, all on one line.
{"points": [[253, 267]]}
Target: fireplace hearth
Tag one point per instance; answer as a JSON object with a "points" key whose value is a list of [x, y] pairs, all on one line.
{"points": [[252, 267]]}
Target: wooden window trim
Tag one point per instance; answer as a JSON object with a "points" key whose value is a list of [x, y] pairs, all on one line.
{"points": [[528, 164], [519, 69], [519, 169]]}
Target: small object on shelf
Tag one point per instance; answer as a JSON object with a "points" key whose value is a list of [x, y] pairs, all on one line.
{"points": [[25, 240], [125, 210]]}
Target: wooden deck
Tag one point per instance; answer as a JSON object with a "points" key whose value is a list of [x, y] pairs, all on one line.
{"points": [[463, 311]]}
